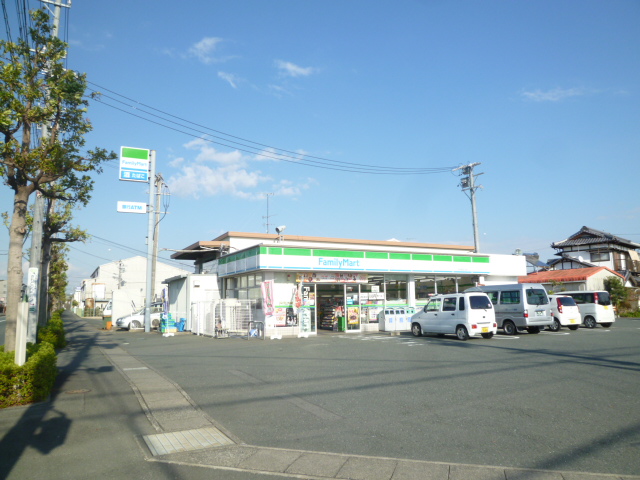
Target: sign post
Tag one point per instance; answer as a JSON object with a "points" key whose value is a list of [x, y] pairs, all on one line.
{"points": [[139, 165]]}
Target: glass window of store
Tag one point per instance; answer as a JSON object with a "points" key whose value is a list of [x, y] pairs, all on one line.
{"points": [[244, 287], [396, 288], [372, 298]]}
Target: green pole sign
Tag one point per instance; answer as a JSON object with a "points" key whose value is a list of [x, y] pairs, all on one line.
{"points": [[134, 164]]}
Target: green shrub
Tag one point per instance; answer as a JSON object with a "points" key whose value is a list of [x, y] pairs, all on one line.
{"points": [[31, 382], [53, 332]]}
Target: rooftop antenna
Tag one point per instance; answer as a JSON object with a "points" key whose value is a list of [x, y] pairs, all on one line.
{"points": [[267, 195]]}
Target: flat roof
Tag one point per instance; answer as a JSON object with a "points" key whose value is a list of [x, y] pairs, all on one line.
{"points": [[302, 238]]}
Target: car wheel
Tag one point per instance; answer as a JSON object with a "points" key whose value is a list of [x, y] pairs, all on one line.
{"points": [[573, 327], [533, 329], [606, 325], [461, 332], [555, 326], [590, 322], [487, 335], [509, 327], [135, 324], [416, 330]]}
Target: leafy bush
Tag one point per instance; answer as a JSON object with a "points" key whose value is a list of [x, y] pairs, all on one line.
{"points": [[53, 332], [31, 382]]}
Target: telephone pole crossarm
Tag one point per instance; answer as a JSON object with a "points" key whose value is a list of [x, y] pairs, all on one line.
{"points": [[468, 183]]}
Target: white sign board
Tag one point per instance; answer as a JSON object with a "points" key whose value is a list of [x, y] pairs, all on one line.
{"points": [[134, 164], [132, 207]]}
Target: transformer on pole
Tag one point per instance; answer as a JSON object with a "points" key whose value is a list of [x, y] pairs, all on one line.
{"points": [[469, 187]]}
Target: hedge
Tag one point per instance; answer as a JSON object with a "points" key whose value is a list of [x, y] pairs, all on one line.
{"points": [[33, 381]]}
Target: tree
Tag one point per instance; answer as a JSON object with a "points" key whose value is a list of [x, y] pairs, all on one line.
{"points": [[57, 276], [616, 289], [36, 90], [56, 232]]}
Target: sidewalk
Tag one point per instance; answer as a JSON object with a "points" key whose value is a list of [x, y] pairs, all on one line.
{"points": [[112, 416]]}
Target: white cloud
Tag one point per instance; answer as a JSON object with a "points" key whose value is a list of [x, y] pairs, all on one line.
{"points": [[554, 95], [229, 77], [199, 180], [208, 153], [213, 172], [204, 49], [289, 69]]}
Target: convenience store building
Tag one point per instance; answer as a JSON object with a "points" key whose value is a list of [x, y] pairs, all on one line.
{"points": [[302, 285]]}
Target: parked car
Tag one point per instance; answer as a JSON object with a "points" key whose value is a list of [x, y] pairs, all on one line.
{"points": [[519, 306], [136, 320], [565, 313], [463, 314], [595, 307]]}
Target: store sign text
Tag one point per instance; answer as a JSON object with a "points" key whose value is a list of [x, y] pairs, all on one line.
{"points": [[338, 262]]}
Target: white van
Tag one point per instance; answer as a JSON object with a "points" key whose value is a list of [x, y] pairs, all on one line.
{"points": [[463, 314], [519, 306], [565, 313], [595, 307]]}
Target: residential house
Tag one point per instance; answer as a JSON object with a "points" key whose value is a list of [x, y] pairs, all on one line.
{"points": [[589, 248], [557, 281]]}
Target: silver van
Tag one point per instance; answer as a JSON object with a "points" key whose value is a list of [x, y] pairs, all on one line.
{"points": [[595, 307], [519, 306]]}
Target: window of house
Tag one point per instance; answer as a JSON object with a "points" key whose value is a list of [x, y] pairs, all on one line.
{"points": [[600, 256]]}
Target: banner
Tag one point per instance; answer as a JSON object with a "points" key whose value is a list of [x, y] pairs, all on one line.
{"points": [[331, 277], [267, 297]]}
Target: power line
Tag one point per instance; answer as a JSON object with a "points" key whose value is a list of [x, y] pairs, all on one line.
{"points": [[249, 146]]}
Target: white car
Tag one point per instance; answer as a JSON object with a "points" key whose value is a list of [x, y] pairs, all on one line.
{"points": [[136, 320], [565, 313], [465, 315], [595, 307]]}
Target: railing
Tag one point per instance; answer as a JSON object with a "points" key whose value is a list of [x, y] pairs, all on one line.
{"points": [[224, 318]]}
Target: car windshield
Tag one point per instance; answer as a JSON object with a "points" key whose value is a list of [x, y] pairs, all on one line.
{"points": [[537, 296], [480, 302]]}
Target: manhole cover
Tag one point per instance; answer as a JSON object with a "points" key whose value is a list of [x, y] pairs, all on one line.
{"points": [[80, 390]]}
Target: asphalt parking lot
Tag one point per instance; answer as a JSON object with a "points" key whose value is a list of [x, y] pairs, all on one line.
{"points": [[559, 401]]}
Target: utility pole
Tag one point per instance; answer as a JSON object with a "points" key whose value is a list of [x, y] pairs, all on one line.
{"points": [[468, 185], [150, 233], [156, 232], [268, 216]]}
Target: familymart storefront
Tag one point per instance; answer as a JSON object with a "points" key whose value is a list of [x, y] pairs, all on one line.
{"points": [[305, 290]]}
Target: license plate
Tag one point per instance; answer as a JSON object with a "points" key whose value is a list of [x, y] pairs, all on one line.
{"points": [[573, 320], [606, 307], [539, 313], [485, 329]]}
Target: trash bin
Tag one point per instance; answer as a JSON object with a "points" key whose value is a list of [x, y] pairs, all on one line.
{"points": [[107, 323], [342, 324]]}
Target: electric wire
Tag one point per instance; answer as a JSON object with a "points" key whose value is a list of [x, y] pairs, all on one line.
{"points": [[249, 146]]}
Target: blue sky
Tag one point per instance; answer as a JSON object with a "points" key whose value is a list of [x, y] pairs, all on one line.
{"points": [[545, 95]]}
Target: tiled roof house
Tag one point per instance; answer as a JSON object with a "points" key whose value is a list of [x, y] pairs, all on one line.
{"points": [[589, 248]]}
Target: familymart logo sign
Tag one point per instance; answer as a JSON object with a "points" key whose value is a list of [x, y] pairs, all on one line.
{"points": [[336, 262], [134, 164]]}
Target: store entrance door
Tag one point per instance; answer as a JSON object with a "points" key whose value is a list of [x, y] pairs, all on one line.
{"points": [[338, 307]]}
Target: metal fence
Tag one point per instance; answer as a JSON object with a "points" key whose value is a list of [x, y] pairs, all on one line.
{"points": [[225, 318]]}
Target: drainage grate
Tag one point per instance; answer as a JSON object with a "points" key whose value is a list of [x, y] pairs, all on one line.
{"points": [[186, 440]]}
